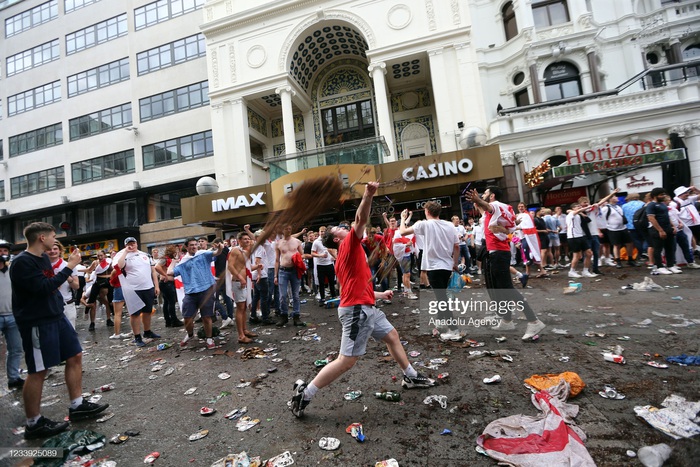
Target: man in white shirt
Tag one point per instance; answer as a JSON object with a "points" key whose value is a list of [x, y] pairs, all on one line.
{"points": [[66, 288], [617, 231], [140, 287], [685, 203], [462, 237], [324, 269], [440, 255]]}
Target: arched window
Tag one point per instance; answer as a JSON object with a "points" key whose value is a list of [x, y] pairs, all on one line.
{"points": [[549, 12], [509, 24], [561, 80]]}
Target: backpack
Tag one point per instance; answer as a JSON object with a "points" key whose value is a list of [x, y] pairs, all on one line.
{"points": [[640, 219]]}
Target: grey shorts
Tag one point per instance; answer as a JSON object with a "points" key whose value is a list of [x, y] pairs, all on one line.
{"points": [[240, 294], [359, 322]]}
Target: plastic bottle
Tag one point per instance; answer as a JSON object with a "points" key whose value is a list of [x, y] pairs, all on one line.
{"points": [[391, 396]]}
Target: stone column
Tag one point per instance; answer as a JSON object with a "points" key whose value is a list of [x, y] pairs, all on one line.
{"points": [[690, 132], [234, 168], [522, 167], [290, 147], [593, 68], [512, 187], [443, 101], [377, 70], [535, 81]]}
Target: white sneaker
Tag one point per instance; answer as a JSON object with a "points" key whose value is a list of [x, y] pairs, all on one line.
{"points": [[610, 262], [504, 325], [124, 335], [115, 336], [589, 274], [693, 266], [227, 322], [675, 270], [658, 271], [574, 274], [533, 329]]}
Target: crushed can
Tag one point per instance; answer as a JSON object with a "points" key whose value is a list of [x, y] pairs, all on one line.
{"points": [[104, 388], [391, 396], [353, 395], [332, 303]]}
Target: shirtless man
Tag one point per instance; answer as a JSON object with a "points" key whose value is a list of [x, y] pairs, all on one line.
{"points": [[239, 267], [285, 274]]}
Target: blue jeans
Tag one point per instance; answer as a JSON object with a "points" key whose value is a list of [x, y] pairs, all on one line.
{"points": [[14, 346], [684, 245], [273, 291], [260, 294], [225, 310], [464, 253], [286, 278]]}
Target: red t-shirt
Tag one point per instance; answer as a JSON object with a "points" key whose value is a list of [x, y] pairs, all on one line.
{"points": [[505, 218], [353, 273], [389, 237]]}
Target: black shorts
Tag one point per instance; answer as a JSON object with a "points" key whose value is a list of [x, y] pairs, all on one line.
{"points": [[544, 241], [605, 238], [563, 239], [49, 344], [619, 237], [579, 244]]}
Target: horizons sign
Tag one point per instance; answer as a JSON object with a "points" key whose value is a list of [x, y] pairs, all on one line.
{"points": [[620, 163], [440, 169], [235, 202]]}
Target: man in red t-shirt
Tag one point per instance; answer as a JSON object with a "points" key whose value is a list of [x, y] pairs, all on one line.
{"points": [[498, 222], [358, 316]]}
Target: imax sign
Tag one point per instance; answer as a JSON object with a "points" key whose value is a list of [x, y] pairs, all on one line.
{"points": [[235, 202]]}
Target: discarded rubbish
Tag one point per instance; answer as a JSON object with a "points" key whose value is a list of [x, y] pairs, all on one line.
{"points": [[671, 333], [118, 439], [236, 413], [387, 463], [246, 423], [190, 391], [440, 399], [654, 456], [329, 444], [321, 363], [413, 353], [684, 359], [207, 411], [541, 382], [564, 359], [283, 460], [94, 399], [501, 339], [243, 385], [493, 379], [657, 365], [507, 358], [169, 371], [676, 419], [224, 376], [352, 395], [631, 453], [474, 354], [157, 367], [152, 377], [104, 418], [163, 346], [679, 298], [609, 392], [356, 431], [446, 432], [443, 376], [391, 396], [611, 357], [104, 388], [151, 458], [559, 331], [560, 442], [199, 435], [623, 338]]}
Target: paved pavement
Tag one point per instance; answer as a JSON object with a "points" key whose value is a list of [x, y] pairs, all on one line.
{"points": [[408, 431]]}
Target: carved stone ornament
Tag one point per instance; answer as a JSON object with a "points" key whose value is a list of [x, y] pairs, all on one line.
{"points": [[430, 11], [508, 158]]}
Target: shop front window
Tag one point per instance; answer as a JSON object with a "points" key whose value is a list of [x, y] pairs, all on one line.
{"points": [[166, 206], [109, 216], [348, 122], [561, 80]]}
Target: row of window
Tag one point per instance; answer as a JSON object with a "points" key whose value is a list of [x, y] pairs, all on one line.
{"points": [[35, 140], [168, 152], [96, 34], [177, 100], [2, 190], [32, 58], [170, 54], [28, 19], [100, 122], [34, 98], [145, 16], [99, 77]]}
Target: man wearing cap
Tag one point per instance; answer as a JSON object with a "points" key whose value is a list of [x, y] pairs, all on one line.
{"points": [[685, 199], [139, 283], [8, 326]]}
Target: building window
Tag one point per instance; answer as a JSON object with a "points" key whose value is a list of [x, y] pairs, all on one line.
{"points": [[99, 77], [561, 80], [96, 34], [509, 24], [100, 122], [171, 54], [163, 10], [178, 150], [37, 182], [32, 58], [99, 168], [2, 190], [521, 98], [72, 5], [108, 216], [348, 122], [34, 98], [36, 140], [166, 206], [31, 18], [550, 12], [1, 151], [171, 102]]}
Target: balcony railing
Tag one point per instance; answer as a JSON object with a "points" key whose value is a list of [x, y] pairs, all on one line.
{"points": [[371, 151]]}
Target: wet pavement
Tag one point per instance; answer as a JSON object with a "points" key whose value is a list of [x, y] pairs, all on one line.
{"points": [[154, 402]]}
